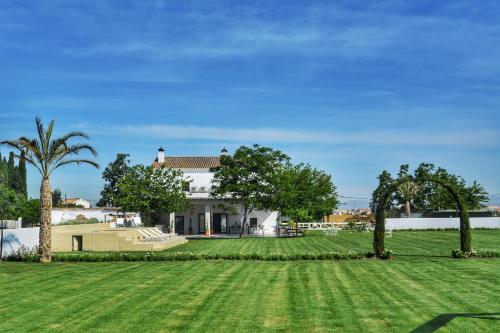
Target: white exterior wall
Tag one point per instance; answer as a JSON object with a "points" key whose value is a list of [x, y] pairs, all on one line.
{"points": [[198, 177], [65, 214], [440, 223], [192, 216], [14, 238], [202, 178], [265, 219], [199, 182]]}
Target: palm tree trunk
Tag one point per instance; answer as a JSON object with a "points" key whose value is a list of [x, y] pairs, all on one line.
{"points": [[45, 221], [407, 208]]}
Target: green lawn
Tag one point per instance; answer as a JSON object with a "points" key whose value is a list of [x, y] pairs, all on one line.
{"points": [[416, 243], [421, 290]]}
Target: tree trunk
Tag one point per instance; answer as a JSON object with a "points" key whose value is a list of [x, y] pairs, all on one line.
{"points": [[242, 232], [407, 209], [45, 242], [379, 232]]}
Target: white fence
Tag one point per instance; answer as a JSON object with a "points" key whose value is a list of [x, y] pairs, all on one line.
{"points": [[14, 238], [12, 224], [440, 223]]}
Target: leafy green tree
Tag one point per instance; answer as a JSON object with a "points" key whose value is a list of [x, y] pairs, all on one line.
{"points": [[113, 173], [151, 192], [305, 193], [47, 154], [30, 211], [250, 178], [10, 203], [432, 197], [57, 200], [385, 180]]}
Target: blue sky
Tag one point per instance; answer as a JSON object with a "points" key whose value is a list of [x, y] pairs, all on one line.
{"points": [[351, 87]]}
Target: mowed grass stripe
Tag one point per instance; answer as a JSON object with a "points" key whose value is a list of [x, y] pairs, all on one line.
{"points": [[422, 283], [415, 243], [259, 296]]}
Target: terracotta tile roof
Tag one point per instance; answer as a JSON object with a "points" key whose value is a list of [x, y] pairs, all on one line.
{"points": [[188, 162]]}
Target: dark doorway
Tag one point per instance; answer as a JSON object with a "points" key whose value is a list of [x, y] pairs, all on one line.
{"points": [[179, 225], [77, 243], [201, 223], [220, 222]]}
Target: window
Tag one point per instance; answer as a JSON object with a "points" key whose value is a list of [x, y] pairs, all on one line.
{"points": [[253, 222], [185, 186]]}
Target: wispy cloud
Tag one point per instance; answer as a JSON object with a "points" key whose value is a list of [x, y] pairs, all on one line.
{"points": [[280, 135]]}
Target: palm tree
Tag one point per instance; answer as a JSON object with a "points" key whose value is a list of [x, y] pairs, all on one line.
{"points": [[46, 155], [408, 191]]}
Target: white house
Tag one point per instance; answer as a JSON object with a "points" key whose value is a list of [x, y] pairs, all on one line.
{"points": [[206, 214], [80, 202]]}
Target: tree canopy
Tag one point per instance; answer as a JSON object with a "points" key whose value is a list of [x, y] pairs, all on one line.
{"points": [[113, 173], [151, 191], [249, 178], [305, 193], [430, 196]]}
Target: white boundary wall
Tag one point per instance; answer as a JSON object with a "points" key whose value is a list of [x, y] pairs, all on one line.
{"points": [[440, 223], [14, 238], [66, 214]]}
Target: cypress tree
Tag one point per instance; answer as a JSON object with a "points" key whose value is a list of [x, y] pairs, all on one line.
{"points": [[23, 176], [4, 173], [11, 170], [3, 179]]}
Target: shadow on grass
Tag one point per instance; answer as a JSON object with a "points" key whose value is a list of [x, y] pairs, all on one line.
{"points": [[443, 319]]}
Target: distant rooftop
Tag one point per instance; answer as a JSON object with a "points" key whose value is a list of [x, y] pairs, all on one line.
{"points": [[188, 162]]}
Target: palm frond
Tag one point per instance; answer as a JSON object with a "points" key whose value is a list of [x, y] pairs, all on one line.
{"points": [[74, 134], [46, 154], [75, 161]]}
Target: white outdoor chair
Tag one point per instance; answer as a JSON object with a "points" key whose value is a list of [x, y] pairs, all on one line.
{"points": [[331, 232], [145, 236], [154, 235], [388, 233], [120, 222], [158, 233]]}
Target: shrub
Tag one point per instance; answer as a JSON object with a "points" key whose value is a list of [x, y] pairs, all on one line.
{"points": [[386, 255], [481, 253], [31, 255], [24, 253]]}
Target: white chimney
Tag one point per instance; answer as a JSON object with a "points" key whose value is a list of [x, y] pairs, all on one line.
{"points": [[161, 155]]}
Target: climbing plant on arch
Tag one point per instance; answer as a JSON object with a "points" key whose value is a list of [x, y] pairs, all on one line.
{"points": [[388, 189]]}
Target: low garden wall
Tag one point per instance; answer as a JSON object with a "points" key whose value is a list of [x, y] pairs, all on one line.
{"points": [[440, 223], [13, 239]]}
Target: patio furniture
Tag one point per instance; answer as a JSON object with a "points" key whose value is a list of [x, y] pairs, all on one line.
{"points": [[331, 232], [388, 233], [369, 227], [153, 234], [145, 236]]}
